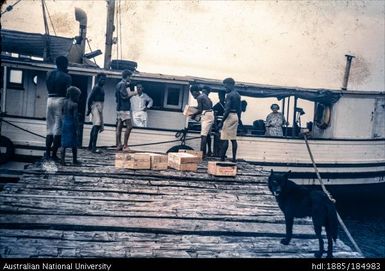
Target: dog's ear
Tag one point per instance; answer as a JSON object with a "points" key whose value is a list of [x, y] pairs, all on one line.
{"points": [[287, 174]]}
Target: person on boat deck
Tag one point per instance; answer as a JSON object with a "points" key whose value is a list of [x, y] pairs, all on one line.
{"points": [[139, 105], [219, 110], [95, 108], [241, 127], [123, 95], [70, 125], [207, 90], [231, 118], [207, 115], [274, 122], [57, 82]]}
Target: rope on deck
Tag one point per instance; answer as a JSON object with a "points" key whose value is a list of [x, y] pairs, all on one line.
{"points": [[330, 197]]}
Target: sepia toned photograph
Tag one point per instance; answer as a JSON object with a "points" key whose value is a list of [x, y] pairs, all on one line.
{"points": [[243, 130]]}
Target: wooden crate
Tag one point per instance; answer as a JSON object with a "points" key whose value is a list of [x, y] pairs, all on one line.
{"points": [[119, 160], [183, 167], [133, 160], [222, 168], [183, 158], [198, 154], [159, 161], [189, 110]]}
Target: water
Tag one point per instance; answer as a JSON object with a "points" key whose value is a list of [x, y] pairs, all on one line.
{"points": [[365, 219]]}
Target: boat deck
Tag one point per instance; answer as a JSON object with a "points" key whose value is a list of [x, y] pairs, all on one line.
{"points": [[98, 211]]}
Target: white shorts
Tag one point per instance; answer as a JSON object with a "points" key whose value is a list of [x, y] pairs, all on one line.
{"points": [[230, 126], [207, 121], [54, 115]]}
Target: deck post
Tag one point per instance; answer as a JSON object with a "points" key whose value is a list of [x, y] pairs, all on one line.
{"points": [[294, 117], [4, 92], [288, 111]]}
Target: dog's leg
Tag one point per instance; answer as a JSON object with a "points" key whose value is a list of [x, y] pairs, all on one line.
{"points": [[318, 231], [330, 242], [289, 229]]}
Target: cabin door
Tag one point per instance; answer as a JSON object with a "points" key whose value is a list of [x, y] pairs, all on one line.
{"points": [[83, 83], [378, 118]]}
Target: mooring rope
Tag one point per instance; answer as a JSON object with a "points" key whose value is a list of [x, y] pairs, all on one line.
{"points": [[330, 197], [135, 145]]}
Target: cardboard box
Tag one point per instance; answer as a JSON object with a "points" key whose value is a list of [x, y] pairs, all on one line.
{"points": [[222, 169], [198, 154], [159, 161], [189, 110], [183, 158], [183, 167]]}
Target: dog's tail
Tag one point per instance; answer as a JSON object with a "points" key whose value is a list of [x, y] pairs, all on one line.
{"points": [[332, 221]]}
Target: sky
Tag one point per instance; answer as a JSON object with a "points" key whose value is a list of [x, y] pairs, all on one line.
{"points": [[287, 43]]}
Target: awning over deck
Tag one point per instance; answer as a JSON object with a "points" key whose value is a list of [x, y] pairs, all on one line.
{"points": [[33, 44], [324, 96]]}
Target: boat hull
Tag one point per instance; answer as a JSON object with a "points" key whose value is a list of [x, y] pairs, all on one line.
{"points": [[340, 162]]}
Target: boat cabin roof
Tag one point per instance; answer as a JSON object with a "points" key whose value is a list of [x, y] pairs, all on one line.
{"points": [[326, 96]]}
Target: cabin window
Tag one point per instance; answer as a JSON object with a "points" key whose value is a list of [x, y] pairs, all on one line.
{"points": [[173, 97], [156, 92], [15, 79]]}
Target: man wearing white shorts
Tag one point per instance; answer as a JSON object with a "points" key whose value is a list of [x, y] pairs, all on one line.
{"points": [[139, 105], [57, 81], [123, 107], [207, 115], [231, 119]]}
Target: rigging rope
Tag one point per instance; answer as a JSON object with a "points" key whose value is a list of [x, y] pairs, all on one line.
{"points": [[49, 16], [10, 7], [329, 196]]}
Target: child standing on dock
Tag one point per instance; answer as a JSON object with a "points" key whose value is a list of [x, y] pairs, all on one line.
{"points": [[70, 124]]}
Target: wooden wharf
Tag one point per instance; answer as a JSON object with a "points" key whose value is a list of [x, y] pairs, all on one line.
{"points": [[96, 210]]}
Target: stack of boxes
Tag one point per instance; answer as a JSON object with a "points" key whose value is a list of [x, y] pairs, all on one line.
{"points": [[184, 160]]}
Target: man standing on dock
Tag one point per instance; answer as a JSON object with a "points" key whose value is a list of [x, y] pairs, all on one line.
{"points": [[123, 95], [57, 82], [139, 105], [205, 108], [95, 108], [231, 119]]}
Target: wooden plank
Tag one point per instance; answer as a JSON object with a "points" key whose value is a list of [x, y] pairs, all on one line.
{"points": [[160, 225]]}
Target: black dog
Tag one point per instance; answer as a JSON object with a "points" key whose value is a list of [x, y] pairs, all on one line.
{"points": [[297, 201]]}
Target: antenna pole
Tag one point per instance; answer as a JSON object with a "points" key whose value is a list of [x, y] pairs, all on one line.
{"points": [[109, 32]]}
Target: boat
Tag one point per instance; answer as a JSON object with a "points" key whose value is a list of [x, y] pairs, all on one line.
{"points": [[346, 136]]}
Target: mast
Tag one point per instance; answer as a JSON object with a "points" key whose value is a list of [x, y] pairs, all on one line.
{"points": [[109, 32], [47, 53]]}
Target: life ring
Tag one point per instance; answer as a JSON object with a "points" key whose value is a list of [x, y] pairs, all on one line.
{"points": [[323, 116], [9, 152]]}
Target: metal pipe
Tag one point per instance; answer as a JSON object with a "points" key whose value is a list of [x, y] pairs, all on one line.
{"points": [[109, 32], [294, 117], [347, 71]]}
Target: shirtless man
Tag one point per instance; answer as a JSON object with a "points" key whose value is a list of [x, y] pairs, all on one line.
{"points": [[123, 109]]}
